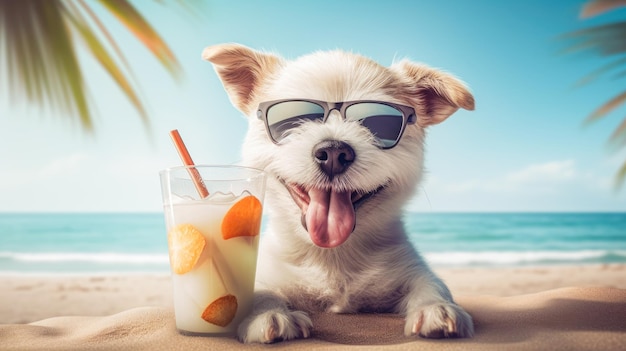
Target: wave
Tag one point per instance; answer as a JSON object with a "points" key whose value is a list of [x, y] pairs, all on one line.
{"points": [[459, 258], [85, 257], [85, 260]]}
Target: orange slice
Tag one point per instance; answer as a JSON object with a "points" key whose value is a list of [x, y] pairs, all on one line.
{"points": [[185, 244], [221, 311], [243, 219]]}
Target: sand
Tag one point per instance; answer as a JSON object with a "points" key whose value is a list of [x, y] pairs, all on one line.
{"points": [[537, 308]]}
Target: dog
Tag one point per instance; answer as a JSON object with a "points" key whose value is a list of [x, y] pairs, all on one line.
{"points": [[341, 138]]}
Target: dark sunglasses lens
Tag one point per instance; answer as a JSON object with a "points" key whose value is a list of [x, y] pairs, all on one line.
{"points": [[384, 121], [284, 116]]}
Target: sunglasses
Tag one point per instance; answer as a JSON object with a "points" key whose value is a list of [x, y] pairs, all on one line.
{"points": [[385, 120]]}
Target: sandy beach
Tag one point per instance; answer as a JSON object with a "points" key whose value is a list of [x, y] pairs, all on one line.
{"points": [[525, 308]]}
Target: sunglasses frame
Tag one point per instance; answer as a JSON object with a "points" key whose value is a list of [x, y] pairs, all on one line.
{"points": [[408, 113]]}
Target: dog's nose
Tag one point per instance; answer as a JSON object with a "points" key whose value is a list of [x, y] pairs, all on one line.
{"points": [[333, 156]]}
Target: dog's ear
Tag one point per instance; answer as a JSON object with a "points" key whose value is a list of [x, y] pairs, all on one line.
{"points": [[437, 95], [241, 70]]}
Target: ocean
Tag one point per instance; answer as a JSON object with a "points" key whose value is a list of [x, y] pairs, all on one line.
{"points": [[118, 243]]}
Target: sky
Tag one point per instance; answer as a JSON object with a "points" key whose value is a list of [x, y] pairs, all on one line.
{"points": [[524, 148]]}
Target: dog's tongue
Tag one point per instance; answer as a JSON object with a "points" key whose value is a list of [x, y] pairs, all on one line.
{"points": [[330, 217]]}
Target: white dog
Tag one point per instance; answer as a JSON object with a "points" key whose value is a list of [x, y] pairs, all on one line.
{"points": [[341, 138]]}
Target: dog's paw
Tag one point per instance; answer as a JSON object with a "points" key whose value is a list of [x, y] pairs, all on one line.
{"points": [[273, 326], [445, 320]]}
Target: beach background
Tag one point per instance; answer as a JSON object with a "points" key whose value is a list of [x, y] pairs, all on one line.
{"points": [[519, 211], [530, 281], [136, 243], [59, 263]]}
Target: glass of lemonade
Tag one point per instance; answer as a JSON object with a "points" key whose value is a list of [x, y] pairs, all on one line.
{"points": [[213, 244]]}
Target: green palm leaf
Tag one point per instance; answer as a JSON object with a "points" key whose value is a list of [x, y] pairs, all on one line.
{"points": [[38, 52], [108, 63], [43, 70], [133, 20]]}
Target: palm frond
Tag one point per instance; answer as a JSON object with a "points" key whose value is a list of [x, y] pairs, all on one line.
{"points": [[38, 52], [597, 7], [621, 177], [133, 20], [604, 40], [603, 70], [104, 31], [618, 137], [107, 62], [41, 60], [607, 107]]}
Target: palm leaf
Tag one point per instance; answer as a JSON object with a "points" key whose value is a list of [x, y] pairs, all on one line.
{"points": [[621, 176], [607, 107], [40, 60], [603, 70], [42, 63], [107, 62], [618, 137], [597, 7], [604, 40], [133, 20], [104, 31]]}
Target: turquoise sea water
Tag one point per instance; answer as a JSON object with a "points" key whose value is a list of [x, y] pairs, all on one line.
{"points": [[133, 243]]}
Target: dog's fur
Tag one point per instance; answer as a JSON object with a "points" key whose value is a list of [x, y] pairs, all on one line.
{"points": [[376, 269]]}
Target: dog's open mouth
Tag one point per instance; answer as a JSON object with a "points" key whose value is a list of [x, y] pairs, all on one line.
{"points": [[327, 214]]}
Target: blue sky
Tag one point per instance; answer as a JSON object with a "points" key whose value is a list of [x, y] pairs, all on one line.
{"points": [[524, 148]]}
